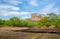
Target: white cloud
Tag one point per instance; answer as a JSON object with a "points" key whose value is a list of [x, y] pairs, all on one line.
{"points": [[14, 13], [47, 9], [33, 2], [25, 17], [5, 14], [8, 7], [25, 12], [56, 9], [14, 2], [48, 0], [8, 10], [18, 13], [15, 8]]}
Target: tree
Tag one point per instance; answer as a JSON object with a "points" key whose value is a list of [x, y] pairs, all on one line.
{"points": [[44, 22], [58, 21], [50, 19], [14, 21], [23, 23], [2, 22], [53, 18]]}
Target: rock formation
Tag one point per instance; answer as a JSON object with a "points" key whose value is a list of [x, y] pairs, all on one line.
{"points": [[35, 16]]}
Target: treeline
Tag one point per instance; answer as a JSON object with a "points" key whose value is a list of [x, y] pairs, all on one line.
{"points": [[49, 20], [15, 22]]}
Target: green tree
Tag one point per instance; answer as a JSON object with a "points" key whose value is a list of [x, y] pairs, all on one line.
{"points": [[44, 22], [2, 22], [24, 23], [58, 21], [53, 18], [14, 21]]}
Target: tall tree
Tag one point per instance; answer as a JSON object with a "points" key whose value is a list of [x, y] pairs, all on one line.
{"points": [[53, 18], [14, 21]]}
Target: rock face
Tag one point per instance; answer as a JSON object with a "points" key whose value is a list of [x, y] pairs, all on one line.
{"points": [[37, 16]]}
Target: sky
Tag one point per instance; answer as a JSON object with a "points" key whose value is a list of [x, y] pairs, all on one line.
{"points": [[24, 8]]}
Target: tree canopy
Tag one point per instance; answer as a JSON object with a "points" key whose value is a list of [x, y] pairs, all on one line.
{"points": [[50, 19]]}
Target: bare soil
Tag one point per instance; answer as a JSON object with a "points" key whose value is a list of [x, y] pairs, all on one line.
{"points": [[7, 33]]}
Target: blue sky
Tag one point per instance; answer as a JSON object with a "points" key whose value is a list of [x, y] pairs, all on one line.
{"points": [[24, 8]]}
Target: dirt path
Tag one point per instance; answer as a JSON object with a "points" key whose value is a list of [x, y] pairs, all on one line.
{"points": [[5, 33], [13, 28]]}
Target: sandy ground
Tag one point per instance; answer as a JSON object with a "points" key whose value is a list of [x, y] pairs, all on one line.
{"points": [[6, 33], [12, 28]]}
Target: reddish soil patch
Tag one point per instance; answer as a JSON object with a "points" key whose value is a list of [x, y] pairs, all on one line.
{"points": [[6, 33]]}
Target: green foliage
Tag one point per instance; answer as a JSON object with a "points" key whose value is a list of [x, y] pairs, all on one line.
{"points": [[14, 21], [23, 23], [50, 19], [30, 24], [44, 22], [58, 23], [2, 22]]}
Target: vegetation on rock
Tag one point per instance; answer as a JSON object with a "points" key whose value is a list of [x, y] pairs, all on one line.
{"points": [[49, 20]]}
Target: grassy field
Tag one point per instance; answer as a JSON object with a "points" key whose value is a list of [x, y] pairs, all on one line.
{"points": [[6, 33]]}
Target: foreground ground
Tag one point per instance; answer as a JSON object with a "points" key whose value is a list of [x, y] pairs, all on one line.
{"points": [[6, 33]]}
